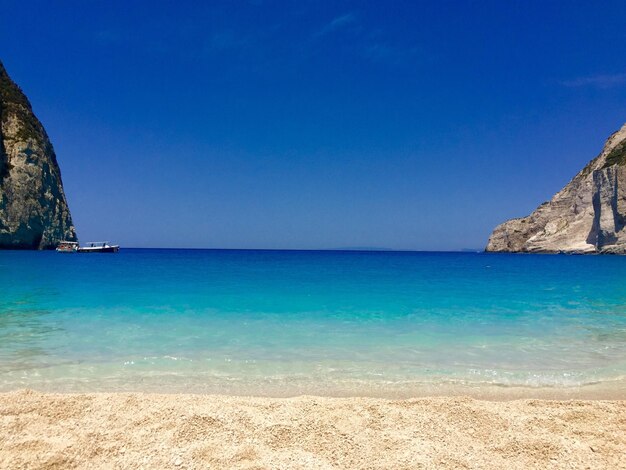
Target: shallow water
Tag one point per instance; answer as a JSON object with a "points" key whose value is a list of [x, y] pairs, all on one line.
{"points": [[292, 322]]}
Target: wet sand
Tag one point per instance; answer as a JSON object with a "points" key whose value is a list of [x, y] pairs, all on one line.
{"points": [[134, 430]]}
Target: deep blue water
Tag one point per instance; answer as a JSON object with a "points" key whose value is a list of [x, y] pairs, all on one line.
{"points": [[272, 322]]}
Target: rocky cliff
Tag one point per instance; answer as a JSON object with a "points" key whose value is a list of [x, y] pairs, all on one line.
{"points": [[33, 209], [586, 216]]}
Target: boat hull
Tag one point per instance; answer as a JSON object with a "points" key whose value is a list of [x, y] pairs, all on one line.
{"points": [[99, 249]]}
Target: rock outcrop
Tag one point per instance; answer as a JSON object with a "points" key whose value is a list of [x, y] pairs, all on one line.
{"points": [[586, 216], [33, 209]]}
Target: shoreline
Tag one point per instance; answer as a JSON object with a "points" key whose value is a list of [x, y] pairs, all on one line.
{"points": [[284, 389], [135, 430]]}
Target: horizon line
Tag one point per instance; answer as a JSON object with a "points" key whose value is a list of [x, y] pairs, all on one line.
{"points": [[356, 249]]}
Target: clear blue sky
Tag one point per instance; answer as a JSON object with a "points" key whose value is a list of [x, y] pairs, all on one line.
{"points": [[405, 125]]}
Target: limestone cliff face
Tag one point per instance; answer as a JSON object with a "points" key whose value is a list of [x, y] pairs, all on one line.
{"points": [[33, 209], [587, 216]]}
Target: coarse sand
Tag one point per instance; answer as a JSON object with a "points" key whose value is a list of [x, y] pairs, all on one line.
{"points": [[134, 430]]}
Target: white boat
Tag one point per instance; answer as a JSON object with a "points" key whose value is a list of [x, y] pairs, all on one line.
{"points": [[99, 247]]}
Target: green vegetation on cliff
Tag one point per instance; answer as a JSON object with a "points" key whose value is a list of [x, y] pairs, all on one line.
{"points": [[13, 99], [617, 156]]}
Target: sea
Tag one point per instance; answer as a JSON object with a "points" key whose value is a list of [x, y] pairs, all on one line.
{"points": [[330, 323]]}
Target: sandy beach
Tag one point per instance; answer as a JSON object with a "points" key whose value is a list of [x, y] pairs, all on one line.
{"points": [[118, 430]]}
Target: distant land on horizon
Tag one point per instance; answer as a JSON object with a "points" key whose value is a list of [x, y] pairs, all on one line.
{"points": [[346, 249]]}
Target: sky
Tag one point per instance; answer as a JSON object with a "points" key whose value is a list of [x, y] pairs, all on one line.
{"points": [[316, 125]]}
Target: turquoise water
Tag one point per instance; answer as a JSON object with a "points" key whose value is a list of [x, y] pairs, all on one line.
{"points": [[289, 322]]}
